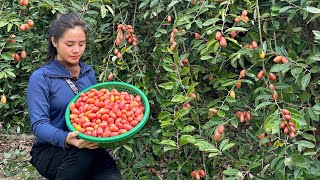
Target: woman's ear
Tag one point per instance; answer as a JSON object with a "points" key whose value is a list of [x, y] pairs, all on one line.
{"points": [[53, 41]]}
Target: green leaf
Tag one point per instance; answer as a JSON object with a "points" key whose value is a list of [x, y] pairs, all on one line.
{"points": [[127, 147], [231, 172], [179, 98], [206, 57], [168, 85], [13, 46], [309, 137], [221, 113], [313, 10], [168, 68], [6, 56], [224, 107], [144, 3], [238, 29], [163, 31], [3, 23], [206, 146], [210, 21], [164, 114], [305, 81], [306, 144], [188, 128], [272, 124], [168, 142], [180, 113], [279, 67], [172, 4], [263, 105], [103, 11], [228, 146], [185, 139], [110, 10]]}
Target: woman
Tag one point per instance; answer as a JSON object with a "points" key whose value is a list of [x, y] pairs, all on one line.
{"points": [[58, 153]]}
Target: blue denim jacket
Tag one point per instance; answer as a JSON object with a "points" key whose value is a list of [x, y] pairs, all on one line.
{"points": [[48, 96]]}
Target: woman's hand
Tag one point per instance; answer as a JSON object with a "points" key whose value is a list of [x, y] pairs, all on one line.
{"points": [[80, 143]]}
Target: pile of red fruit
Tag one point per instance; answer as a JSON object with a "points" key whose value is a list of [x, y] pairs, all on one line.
{"points": [[243, 116], [172, 40], [126, 31], [218, 133], [104, 113], [198, 173], [288, 126]]}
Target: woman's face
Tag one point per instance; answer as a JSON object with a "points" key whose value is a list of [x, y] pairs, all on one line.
{"points": [[70, 46]]}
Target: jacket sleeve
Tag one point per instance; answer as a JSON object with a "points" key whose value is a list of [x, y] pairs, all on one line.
{"points": [[38, 100]]}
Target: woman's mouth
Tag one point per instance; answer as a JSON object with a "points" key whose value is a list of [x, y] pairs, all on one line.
{"points": [[75, 57]]}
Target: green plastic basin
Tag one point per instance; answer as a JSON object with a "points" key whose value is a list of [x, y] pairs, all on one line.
{"points": [[114, 141]]}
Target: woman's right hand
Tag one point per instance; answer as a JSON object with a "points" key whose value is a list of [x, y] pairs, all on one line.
{"points": [[80, 143]]}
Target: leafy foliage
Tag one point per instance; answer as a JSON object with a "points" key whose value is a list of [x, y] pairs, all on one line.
{"points": [[190, 100]]}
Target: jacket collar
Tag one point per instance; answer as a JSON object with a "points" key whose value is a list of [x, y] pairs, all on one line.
{"points": [[55, 69]]}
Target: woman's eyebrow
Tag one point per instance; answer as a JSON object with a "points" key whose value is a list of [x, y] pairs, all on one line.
{"points": [[75, 41]]}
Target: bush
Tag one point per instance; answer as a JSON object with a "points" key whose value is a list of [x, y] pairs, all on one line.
{"points": [[196, 81]]}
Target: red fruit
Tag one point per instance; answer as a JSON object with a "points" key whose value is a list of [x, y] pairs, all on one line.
{"points": [[237, 19], [293, 129], [221, 129], [277, 59], [185, 61], [244, 12], [242, 73], [254, 44], [283, 125], [272, 77], [202, 173], [210, 77], [260, 74], [261, 136], [271, 86], [12, 40], [110, 76], [241, 117], [247, 115], [23, 54], [284, 60], [237, 114], [175, 30], [223, 42], [194, 96], [115, 51], [30, 23], [238, 84], [119, 55], [197, 175], [197, 36], [286, 130], [233, 34], [275, 95], [23, 27], [292, 135], [287, 117], [291, 124], [285, 111], [193, 173], [218, 35], [118, 41], [217, 136], [16, 57]]}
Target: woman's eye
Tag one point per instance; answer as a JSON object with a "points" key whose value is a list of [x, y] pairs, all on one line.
{"points": [[69, 45]]}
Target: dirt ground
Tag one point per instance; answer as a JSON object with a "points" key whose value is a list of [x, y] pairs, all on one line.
{"points": [[14, 157]]}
